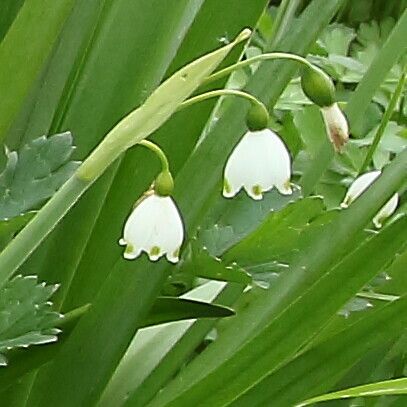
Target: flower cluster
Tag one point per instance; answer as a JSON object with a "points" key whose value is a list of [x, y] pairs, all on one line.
{"points": [[258, 163]]}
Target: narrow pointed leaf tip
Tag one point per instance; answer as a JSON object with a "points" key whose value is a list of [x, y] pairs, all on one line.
{"points": [[259, 162], [359, 186], [154, 227]]}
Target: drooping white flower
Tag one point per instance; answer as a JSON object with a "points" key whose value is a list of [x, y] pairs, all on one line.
{"points": [[336, 125], [259, 162], [155, 227], [359, 186], [388, 209]]}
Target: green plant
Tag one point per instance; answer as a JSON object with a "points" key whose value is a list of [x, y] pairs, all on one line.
{"points": [[270, 297]]}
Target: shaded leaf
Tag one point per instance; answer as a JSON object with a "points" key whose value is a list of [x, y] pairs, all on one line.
{"points": [[168, 309], [35, 173], [200, 263], [26, 317], [388, 387]]}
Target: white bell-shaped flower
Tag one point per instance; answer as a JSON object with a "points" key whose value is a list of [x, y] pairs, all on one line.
{"points": [[259, 162], [337, 125], [359, 186], [155, 227]]}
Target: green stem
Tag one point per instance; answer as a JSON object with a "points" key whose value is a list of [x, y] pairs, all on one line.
{"points": [[53, 211], [385, 120], [263, 57], [157, 150], [222, 92]]}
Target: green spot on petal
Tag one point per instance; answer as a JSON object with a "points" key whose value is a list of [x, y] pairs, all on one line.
{"points": [[256, 190], [155, 251], [226, 186], [129, 249]]}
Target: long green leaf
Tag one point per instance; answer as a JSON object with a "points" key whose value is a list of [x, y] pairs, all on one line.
{"points": [[162, 351], [386, 388], [143, 284], [320, 367], [290, 330], [30, 38], [359, 101], [394, 47], [162, 103], [209, 25], [168, 309]]}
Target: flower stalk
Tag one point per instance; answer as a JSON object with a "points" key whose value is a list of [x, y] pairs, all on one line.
{"points": [[258, 58]]}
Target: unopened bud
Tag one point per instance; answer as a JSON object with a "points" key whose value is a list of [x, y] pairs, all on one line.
{"points": [[164, 184], [318, 86], [257, 118]]}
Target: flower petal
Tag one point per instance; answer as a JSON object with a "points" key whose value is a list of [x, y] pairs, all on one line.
{"points": [[155, 227], [259, 162], [359, 186], [337, 125], [388, 209]]}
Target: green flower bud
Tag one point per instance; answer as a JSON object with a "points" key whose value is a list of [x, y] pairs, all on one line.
{"points": [[318, 86], [164, 184], [257, 118]]}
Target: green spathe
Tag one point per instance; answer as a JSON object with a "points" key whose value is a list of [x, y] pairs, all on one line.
{"points": [[318, 86]]}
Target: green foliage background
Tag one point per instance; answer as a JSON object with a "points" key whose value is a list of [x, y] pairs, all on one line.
{"points": [[318, 297]]}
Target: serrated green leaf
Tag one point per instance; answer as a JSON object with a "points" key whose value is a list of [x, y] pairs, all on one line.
{"points": [[277, 237], [26, 317], [35, 173], [24, 360], [198, 262], [229, 221], [336, 39]]}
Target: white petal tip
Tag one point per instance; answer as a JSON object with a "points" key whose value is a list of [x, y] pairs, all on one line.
{"points": [[255, 192], [130, 256], [173, 260], [122, 242], [344, 205], [256, 197], [228, 195], [285, 191], [378, 224]]}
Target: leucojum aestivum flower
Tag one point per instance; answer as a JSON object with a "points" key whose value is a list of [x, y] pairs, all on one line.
{"points": [[155, 225], [359, 185], [259, 162]]}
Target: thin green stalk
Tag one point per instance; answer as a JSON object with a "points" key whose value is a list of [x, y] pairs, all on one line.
{"points": [[158, 151], [258, 58], [385, 120], [222, 92]]}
